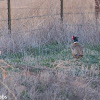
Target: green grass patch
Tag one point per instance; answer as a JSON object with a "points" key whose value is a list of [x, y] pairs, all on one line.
{"points": [[94, 47], [46, 55], [91, 59]]}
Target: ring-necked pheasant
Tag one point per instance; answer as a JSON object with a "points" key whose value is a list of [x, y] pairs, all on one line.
{"points": [[76, 48]]}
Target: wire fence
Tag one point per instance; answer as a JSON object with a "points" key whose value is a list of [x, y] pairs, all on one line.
{"points": [[44, 18], [48, 15], [86, 13]]}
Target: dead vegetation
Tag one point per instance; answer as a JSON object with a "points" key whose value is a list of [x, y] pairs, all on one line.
{"points": [[52, 77], [57, 83], [39, 50]]}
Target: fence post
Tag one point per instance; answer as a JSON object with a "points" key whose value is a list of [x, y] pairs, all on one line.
{"points": [[61, 14], [9, 17]]}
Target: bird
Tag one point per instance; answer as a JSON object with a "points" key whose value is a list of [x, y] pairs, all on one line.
{"points": [[76, 48]]}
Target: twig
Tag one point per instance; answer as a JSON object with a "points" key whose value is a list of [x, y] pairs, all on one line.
{"points": [[6, 63], [5, 73]]}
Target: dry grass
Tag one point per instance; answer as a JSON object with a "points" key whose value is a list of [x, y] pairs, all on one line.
{"points": [[59, 83], [43, 66], [53, 75]]}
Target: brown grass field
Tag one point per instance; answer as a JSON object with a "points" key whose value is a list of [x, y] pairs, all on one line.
{"points": [[36, 56]]}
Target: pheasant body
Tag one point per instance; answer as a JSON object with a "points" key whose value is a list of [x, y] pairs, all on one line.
{"points": [[77, 50]]}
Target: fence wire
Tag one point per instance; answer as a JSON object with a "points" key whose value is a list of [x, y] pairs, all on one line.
{"points": [[45, 18], [52, 15]]}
